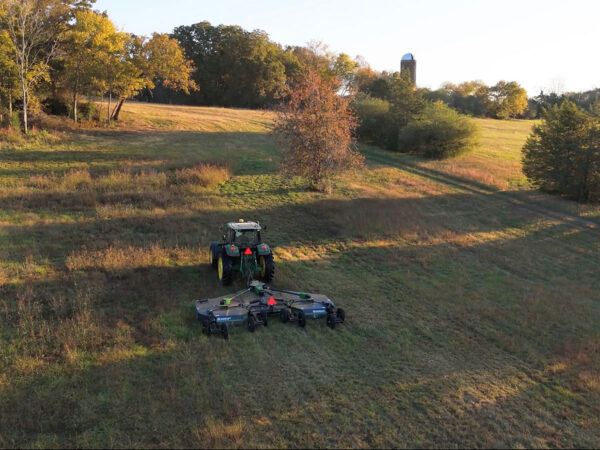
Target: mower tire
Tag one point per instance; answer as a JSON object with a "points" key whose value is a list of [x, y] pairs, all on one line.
{"points": [[225, 269], [224, 331], [284, 315], [208, 329], [341, 315], [331, 321], [301, 319]]}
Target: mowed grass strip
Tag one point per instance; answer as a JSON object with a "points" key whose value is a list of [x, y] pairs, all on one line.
{"points": [[472, 320]]}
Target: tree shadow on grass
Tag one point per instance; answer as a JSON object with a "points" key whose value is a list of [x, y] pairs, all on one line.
{"points": [[534, 200], [402, 371], [506, 287], [314, 222], [247, 153]]}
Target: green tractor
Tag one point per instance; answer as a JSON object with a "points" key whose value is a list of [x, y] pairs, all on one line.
{"points": [[243, 250]]}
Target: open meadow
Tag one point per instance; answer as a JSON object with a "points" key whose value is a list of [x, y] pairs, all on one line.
{"points": [[473, 301]]}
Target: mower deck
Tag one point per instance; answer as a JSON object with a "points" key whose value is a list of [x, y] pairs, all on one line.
{"points": [[254, 305]]}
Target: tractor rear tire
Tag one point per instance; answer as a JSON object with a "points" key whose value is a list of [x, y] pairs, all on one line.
{"points": [[213, 254], [225, 269], [267, 268]]}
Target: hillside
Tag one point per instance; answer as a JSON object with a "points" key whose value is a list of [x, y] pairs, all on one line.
{"points": [[473, 314]]}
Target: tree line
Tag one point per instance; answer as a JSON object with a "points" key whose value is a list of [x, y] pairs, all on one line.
{"points": [[588, 101], [70, 51], [53, 52], [239, 68]]}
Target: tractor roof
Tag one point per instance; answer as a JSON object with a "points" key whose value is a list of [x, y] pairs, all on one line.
{"points": [[240, 226]]}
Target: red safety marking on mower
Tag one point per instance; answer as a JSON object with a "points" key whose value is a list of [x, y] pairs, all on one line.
{"points": [[272, 301], [248, 251]]}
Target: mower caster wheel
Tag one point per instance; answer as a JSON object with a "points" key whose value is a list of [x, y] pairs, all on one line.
{"points": [[301, 319], [251, 324], [224, 331], [265, 319], [341, 315], [331, 321], [284, 316]]}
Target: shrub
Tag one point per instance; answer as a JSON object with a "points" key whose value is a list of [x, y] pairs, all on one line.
{"points": [[76, 180], [440, 132], [206, 175], [150, 179], [562, 155], [114, 181], [88, 111], [376, 124]]}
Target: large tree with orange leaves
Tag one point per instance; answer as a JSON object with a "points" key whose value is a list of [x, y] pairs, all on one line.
{"points": [[317, 129]]}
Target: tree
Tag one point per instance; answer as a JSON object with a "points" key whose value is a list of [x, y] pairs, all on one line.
{"points": [[34, 28], [595, 109], [376, 123], [317, 129], [470, 97], [9, 74], [235, 67], [344, 69], [159, 59], [407, 103], [508, 100], [562, 155], [115, 69], [363, 78], [89, 42]]}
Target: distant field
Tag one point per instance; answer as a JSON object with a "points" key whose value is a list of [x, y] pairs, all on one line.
{"points": [[473, 301]]}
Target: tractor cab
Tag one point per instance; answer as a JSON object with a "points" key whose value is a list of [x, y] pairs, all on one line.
{"points": [[243, 234]]}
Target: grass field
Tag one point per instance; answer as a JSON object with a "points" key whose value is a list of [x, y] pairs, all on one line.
{"points": [[473, 302]]}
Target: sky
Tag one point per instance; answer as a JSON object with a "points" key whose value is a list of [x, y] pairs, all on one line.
{"points": [[543, 45]]}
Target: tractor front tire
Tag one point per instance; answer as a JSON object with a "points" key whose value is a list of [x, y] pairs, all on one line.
{"points": [[267, 268], [225, 269]]}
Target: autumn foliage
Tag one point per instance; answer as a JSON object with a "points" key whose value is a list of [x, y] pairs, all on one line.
{"points": [[317, 127]]}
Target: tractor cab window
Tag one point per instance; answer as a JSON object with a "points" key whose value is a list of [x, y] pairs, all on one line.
{"points": [[245, 237]]}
